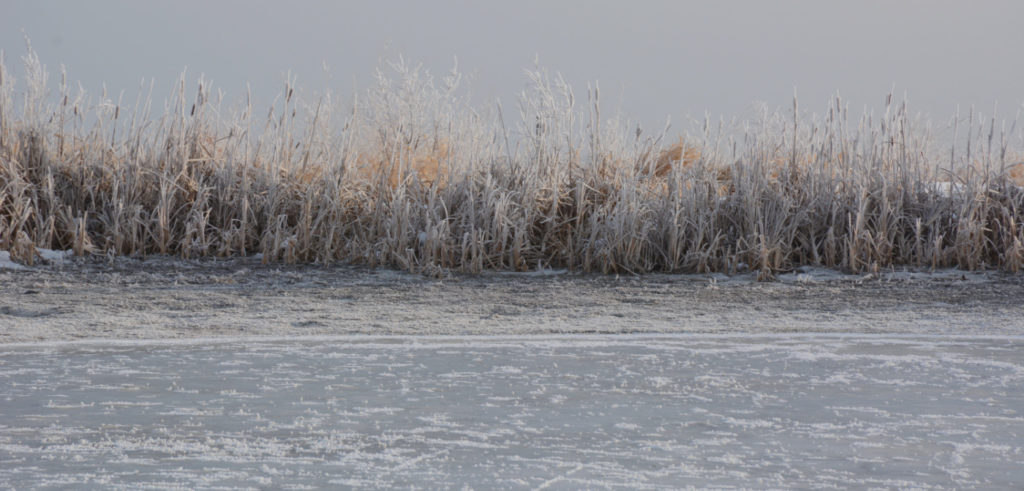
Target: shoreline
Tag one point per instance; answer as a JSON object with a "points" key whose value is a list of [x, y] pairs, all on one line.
{"points": [[162, 298]]}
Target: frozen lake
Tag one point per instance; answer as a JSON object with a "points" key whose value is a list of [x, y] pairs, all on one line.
{"points": [[629, 411]]}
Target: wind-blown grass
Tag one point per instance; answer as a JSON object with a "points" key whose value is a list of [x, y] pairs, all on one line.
{"points": [[416, 178]]}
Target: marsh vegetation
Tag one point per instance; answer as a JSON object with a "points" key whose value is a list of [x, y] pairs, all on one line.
{"points": [[410, 174]]}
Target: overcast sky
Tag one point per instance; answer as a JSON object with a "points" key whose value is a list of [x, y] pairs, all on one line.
{"points": [[653, 59]]}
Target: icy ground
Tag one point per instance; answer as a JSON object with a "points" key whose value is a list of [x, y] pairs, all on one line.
{"points": [[75, 298], [162, 373], [580, 411]]}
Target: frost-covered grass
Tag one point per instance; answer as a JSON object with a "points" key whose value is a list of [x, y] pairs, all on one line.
{"points": [[411, 175]]}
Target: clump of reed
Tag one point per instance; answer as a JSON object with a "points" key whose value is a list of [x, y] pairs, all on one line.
{"points": [[412, 176]]}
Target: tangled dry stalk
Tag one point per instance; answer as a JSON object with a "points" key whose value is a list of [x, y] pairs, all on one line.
{"points": [[414, 177]]}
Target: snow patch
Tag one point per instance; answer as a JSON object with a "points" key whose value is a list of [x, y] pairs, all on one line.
{"points": [[48, 256], [7, 263], [51, 256]]}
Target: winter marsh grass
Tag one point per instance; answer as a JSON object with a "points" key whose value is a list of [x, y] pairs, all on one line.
{"points": [[410, 175]]}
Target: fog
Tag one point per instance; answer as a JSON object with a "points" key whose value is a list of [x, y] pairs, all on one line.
{"points": [[653, 59]]}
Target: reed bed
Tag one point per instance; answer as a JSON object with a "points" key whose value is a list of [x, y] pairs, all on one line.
{"points": [[410, 175]]}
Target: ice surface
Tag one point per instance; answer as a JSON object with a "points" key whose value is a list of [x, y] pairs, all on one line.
{"points": [[582, 411], [156, 372], [124, 298]]}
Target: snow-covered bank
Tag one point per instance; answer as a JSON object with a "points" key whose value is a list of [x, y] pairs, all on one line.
{"points": [[161, 298]]}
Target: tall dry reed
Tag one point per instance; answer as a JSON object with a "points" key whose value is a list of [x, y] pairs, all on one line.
{"points": [[416, 178]]}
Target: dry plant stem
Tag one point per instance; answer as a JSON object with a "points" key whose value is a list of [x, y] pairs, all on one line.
{"points": [[414, 177]]}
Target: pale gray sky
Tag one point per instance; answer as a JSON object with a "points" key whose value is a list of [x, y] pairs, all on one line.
{"points": [[652, 58]]}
